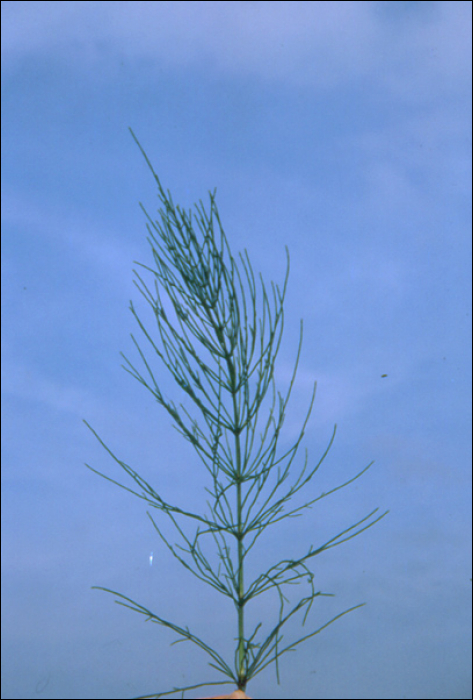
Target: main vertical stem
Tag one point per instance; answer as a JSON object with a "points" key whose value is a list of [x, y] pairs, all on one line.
{"points": [[238, 473], [241, 584]]}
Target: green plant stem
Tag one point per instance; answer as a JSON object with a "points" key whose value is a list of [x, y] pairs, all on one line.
{"points": [[241, 602], [240, 532], [241, 671]]}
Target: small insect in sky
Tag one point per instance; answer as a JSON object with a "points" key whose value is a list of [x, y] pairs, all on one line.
{"points": [[151, 559], [383, 375]]}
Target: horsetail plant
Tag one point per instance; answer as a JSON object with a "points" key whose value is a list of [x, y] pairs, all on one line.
{"points": [[218, 334]]}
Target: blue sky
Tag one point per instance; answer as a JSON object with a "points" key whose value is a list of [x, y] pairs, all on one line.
{"points": [[339, 129]]}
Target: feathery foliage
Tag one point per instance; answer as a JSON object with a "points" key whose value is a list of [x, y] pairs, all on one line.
{"points": [[218, 331]]}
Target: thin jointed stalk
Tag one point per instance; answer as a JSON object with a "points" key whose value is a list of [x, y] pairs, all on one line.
{"points": [[240, 533], [218, 334]]}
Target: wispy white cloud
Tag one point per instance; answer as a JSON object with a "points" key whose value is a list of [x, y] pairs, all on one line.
{"points": [[302, 43], [95, 243], [25, 382]]}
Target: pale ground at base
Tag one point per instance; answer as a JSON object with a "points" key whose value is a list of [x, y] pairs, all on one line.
{"points": [[236, 694]]}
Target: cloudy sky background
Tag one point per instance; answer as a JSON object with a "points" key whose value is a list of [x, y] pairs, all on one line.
{"points": [[340, 129]]}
